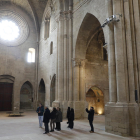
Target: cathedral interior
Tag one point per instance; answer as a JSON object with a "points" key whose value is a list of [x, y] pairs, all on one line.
{"points": [[73, 53]]}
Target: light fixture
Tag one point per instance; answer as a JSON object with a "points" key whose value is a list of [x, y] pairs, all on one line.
{"points": [[8, 30], [113, 18]]}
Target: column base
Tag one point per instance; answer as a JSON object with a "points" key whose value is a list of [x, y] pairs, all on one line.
{"points": [[56, 104], [122, 119], [79, 109]]}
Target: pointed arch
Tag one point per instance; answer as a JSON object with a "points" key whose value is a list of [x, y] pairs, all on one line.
{"points": [[41, 92], [88, 29], [26, 96]]}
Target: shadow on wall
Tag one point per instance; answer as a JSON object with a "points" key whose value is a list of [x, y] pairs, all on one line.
{"points": [[41, 92], [95, 98]]}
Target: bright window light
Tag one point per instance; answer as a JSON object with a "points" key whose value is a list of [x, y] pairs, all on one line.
{"points": [[8, 30], [31, 55]]}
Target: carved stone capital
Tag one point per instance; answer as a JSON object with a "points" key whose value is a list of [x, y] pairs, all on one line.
{"points": [[76, 62], [79, 62], [59, 17], [83, 63]]}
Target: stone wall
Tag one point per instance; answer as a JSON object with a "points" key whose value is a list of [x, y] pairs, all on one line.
{"points": [[13, 59]]}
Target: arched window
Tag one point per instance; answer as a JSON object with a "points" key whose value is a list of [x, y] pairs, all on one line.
{"points": [[51, 48], [31, 55], [47, 28]]}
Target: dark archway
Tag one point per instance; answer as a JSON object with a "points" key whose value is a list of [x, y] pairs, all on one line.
{"points": [[6, 91], [52, 90], [41, 92], [26, 96]]}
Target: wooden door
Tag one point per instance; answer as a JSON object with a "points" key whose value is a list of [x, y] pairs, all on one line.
{"points": [[6, 90]]}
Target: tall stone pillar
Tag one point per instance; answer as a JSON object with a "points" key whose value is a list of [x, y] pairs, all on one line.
{"points": [[120, 54], [82, 80], [70, 46], [76, 78], [78, 82], [111, 57], [65, 56], [129, 52], [60, 59]]}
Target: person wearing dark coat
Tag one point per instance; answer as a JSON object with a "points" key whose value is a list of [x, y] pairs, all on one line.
{"points": [[58, 119], [71, 119], [68, 115], [53, 118], [90, 118], [40, 111], [46, 120]]}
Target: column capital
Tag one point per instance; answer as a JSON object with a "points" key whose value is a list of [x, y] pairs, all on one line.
{"points": [[59, 17], [83, 63], [76, 62], [79, 62]]}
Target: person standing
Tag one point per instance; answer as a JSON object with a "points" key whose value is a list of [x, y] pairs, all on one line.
{"points": [[68, 115], [46, 120], [71, 119], [40, 111], [58, 119], [53, 118], [90, 118]]}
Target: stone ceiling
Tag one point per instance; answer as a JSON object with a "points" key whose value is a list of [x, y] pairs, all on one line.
{"points": [[35, 8]]}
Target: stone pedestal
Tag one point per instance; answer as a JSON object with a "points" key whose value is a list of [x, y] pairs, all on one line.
{"points": [[122, 119], [79, 108], [56, 104]]}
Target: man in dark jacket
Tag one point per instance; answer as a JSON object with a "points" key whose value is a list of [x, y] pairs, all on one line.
{"points": [[71, 119], [40, 111], [68, 115], [53, 118], [46, 119], [90, 118]]}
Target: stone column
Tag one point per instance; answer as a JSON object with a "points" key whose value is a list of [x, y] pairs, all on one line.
{"points": [[70, 91], [111, 57], [60, 59], [136, 31], [120, 54], [129, 52], [82, 80], [76, 76], [65, 56]]}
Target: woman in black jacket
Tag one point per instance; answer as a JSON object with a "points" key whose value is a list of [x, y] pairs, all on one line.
{"points": [[58, 119], [68, 115], [71, 119]]}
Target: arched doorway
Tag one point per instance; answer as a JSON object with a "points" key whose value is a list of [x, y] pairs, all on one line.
{"points": [[6, 91], [52, 90], [41, 92], [95, 98], [26, 96]]}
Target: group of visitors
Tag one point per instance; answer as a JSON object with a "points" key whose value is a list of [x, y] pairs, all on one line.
{"points": [[55, 117]]}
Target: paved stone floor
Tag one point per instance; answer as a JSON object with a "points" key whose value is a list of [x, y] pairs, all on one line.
{"points": [[26, 128]]}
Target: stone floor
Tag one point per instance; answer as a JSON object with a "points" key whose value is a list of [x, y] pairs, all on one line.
{"points": [[26, 128]]}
